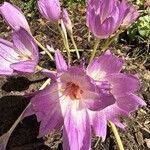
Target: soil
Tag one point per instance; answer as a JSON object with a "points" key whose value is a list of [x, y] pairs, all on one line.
{"points": [[12, 89]]}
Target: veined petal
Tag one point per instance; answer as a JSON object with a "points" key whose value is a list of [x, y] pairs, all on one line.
{"points": [[104, 65], [60, 62], [113, 114], [129, 102], [77, 130], [78, 76], [123, 83], [7, 10], [50, 9], [50, 121], [97, 101], [25, 44], [24, 66], [7, 51], [5, 67], [99, 123]]}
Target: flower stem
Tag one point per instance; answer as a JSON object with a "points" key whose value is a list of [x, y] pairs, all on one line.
{"points": [[5, 137], [44, 49], [94, 49], [110, 40], [65, 41], [116, 134], [75, 46]]}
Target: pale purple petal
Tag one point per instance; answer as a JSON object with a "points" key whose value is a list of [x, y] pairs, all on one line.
{"points": [[113, 114], [104, 17], [50, 74], [123, 83], [51, 121], [7, 51], [50, 9], [77, 130], [24, 66], [104, 65], [60, 62], [66, 20], [77, 76], [130, 102], [25, 44], [97, 101], [44, 100], [5, 67], [14, 16], [99, 123]]}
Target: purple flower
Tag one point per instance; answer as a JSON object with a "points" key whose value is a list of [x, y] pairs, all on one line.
{"points": [[104, 17], [105, 70], [19, 56], [131, 15], [78, 99], [66, 20], [14, 16], [66, 101], [50, 9]]}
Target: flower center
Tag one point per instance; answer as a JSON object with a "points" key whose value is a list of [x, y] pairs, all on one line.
{"points": [[24, 57], [73, 91]]}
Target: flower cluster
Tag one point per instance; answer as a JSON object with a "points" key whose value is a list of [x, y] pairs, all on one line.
{"points": [[79, 100]]}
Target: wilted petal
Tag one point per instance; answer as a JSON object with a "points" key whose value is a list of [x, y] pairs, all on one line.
{"points": [[104, 65], [77, 130], [7, 10], [50, 9], [60, 62]]}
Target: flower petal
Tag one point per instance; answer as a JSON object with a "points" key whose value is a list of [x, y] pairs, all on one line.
{"points": [[130, 102], [51, 121], [104, 65], [7, 10], [77, 130], [50, 9], [123, 83], [5, 67], [95, 101], [25, 44], [7, 51], [99, 123], [60, 62], [113, 114], [24, 66]]}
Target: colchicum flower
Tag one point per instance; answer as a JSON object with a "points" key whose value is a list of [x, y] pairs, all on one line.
{"points": [[50, 9], [14, 16], [78, 99], [21, 55], [66, 20], [104, 17]]}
